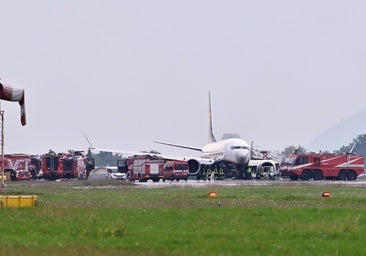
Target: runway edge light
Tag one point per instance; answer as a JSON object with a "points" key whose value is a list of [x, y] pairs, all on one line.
{"points": [[326, 194], [212, 194]]}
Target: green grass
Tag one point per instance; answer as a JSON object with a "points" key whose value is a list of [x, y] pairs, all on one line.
{"points": [[112, 218]]}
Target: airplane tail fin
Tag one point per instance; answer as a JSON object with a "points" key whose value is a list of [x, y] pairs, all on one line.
{"points": [[211, 137]]}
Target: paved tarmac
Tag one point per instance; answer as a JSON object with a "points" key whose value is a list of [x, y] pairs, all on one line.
{"points": [[280, 182], [100, 173]]}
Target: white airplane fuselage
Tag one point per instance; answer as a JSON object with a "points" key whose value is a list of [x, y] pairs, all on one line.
{"points": [[232, 150]]}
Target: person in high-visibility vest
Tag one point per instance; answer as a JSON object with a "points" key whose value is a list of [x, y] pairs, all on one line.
{"points": [[262, 172], [249, 170]]}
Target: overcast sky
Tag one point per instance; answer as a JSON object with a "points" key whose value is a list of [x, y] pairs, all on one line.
{"points": [[127, 73]]}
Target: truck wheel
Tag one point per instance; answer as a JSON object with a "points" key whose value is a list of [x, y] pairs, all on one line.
{"points": [[306, 175], [342, 175], [351, 175], [294, 177], [318, 175], [13, 176]]}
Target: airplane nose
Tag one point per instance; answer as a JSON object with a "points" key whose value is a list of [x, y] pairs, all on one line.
{"points": [[242, 156]]}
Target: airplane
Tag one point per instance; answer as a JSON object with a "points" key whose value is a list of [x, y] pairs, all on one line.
{"points": [[233, 151], [231, 156]]}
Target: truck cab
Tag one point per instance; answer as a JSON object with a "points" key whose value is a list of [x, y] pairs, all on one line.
{"points": [[319, 166], [175, 170], [144, 167]]}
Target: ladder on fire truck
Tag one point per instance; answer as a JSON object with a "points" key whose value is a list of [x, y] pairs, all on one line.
{"points": [[52, 163]]}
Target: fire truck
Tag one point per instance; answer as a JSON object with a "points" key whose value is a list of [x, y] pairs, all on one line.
{"points": [[73, 164], [319, 166], [14, 163], [175, 170], [122, 165], [144, 167]]}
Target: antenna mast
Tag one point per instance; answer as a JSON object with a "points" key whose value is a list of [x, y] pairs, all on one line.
{"points": [[2, 150]]}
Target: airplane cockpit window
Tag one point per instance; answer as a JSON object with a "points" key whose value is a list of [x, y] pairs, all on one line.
{"points": [[239, 147]]}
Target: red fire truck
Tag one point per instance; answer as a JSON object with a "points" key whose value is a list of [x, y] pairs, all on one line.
{"points": [[73, 164], [318, 166], [145, 167], [14, 163], [175, 170]]}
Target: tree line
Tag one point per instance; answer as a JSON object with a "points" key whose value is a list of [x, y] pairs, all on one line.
{"points": [[357, 146], [104, 158]]}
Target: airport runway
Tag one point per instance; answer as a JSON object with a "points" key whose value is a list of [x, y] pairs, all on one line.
{"points": [[284, 182], [192, 182]]}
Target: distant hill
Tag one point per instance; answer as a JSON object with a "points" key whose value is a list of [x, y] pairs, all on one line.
{"points": [[340, 134]]}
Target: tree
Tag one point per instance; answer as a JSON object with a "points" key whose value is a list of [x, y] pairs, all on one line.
{"points": [[106, 159], [358, 146], [293, 150]]}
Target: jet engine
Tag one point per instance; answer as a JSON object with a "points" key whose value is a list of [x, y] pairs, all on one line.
{"points": [[258, 164], [194, 167], [195, 164]]}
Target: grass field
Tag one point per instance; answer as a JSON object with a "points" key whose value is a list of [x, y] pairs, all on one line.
{"points": [[114, 218]]}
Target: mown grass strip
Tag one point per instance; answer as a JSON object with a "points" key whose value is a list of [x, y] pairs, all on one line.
{"points": [[124, 220]]}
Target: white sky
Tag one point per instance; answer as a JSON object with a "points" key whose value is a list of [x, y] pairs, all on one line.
{"points": [[130, 72]]}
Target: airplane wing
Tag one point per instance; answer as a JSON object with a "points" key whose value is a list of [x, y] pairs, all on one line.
{"points": [[194, 163], [117, 151], [137, 153], [178, 146], [122, 152]]}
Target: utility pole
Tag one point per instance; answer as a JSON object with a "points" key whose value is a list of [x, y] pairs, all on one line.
{"points": [[2, 150]]}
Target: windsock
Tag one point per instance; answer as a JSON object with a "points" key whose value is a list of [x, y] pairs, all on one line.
{"points": [[12, 94]]}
